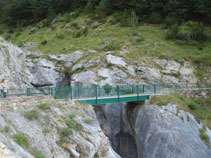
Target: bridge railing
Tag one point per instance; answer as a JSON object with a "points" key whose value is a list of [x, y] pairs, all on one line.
{"points": [[79, 92]]}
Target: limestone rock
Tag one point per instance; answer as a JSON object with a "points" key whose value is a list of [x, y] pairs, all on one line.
{"points": [[115, 60], [43, 72], [172, 67], [13, 66]]}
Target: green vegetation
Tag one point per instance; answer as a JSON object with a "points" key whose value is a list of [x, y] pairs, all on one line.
{"points": [[89, 121], [6, 128], [200, 108], [203, 135], [44, 106], [70, 121], [24, 12], [20, 139], [38, 154], [32, 114], [107, 88]]}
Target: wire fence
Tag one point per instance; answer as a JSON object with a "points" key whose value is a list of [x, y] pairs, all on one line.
{"points": [[79, 92]]}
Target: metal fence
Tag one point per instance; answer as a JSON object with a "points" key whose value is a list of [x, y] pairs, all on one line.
{"points": [[75, 93]]}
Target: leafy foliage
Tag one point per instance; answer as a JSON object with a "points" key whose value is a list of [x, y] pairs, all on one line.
{"points": [[24, 12], [107, 88], [32, 114]]}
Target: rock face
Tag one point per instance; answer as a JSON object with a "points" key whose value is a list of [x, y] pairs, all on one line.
{"points": [[13, 66], [148, 131], [43, 72], [46, 132]]}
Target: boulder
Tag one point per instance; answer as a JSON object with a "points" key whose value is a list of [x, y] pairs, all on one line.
{"points": [[116, 60], [172, 68], [43, 72]]}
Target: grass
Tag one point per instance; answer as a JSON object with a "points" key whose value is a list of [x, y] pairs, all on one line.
{"points": [[20, 139], [32, 114], [89, 121], [205, 137], [44, 106], [38, 154], [200, 108], [83, 37], [6, 128]]}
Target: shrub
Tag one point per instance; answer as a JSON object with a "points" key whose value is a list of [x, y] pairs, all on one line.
{"points": [[170, 20], [204, 136], [32, 114], [112, 46], [6, 128], [172, 32], [81, 32], [20, 139], [155, 18], [60, 35], [192, 31], [38, 154], [75, 25], [70, 121], [107, 88], [44, 106], [193, 105], [89, 120], [133, 19], [64, 132]]}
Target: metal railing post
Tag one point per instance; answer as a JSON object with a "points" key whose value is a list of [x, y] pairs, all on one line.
{"points": [[71, 93], [28, 91], [143, 88], [96, 93], [137, 90], [118, 92], [154, 88], [1, 93]]}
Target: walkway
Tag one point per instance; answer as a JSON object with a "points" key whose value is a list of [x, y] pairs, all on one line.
{"points": [[105, 94]]}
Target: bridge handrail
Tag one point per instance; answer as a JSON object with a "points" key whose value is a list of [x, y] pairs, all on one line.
{"points": [[76, 92]]}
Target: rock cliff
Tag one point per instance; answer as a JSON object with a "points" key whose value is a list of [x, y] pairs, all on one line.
{"points": [[137, 130], [54, 129]]}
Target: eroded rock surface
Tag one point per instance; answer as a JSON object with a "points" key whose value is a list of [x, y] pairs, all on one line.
{"points": [[147, 131]]}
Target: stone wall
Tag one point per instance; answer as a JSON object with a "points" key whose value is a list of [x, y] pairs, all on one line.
{"points": [[23, 102], [196, 93]]}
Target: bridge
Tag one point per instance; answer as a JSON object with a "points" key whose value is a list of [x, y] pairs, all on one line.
{"points": [[103, 94]]}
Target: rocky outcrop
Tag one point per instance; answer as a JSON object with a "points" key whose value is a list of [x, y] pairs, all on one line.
{"points": [[147, 131], [48, 132], [13, 66]]}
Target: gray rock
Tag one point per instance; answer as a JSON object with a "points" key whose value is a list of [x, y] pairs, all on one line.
{"points": [[95, 25], [43, 72], [85, 78], [137, 131], [161, 62], [44, 42], [54, 21], [187, 75], [116, 60], [13, 66], [172, 68]]}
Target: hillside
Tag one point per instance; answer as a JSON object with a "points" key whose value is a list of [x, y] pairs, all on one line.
{"points": [[68, 33]]}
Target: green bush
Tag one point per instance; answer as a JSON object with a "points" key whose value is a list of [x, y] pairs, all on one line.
{"points": [[170, 20], [75, 25], [20, 139], [38, 154], [172, 32], [193, 105], [6, 128], [192, 31], [133, 19], [204, 136], [70, 121], [64, 132], [107, 88], [32, 114], [60, 35], [44, 106], [81, 32], [155, 18]]}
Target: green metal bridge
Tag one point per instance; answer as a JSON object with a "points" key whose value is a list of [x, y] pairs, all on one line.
{"points": [[103, 94]]}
